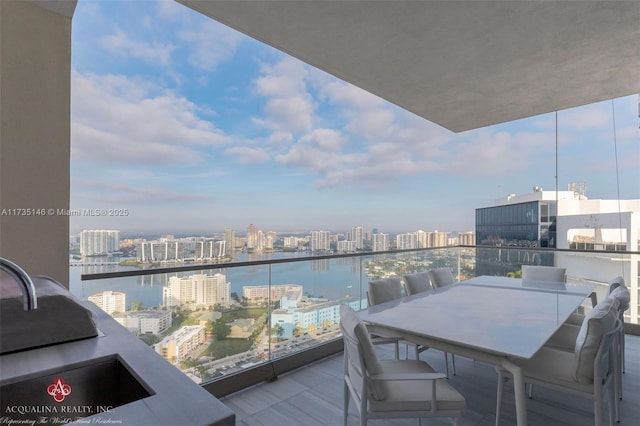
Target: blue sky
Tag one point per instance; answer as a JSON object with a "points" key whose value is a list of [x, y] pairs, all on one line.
{"points": [[194, 127]]}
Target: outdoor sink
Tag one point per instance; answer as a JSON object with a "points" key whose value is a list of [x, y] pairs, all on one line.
{"points": [[71, 392], [57, 368], [58, 317]]}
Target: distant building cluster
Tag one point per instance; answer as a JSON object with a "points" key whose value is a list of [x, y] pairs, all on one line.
{"points": [[99, 242], [197, 291], [421, 239], [258, 241], [294, 242], [138, 322]]}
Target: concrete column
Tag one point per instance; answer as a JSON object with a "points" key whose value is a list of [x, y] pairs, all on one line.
{"points": [[35, 74]]}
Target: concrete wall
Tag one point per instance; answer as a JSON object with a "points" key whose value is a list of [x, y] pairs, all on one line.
{"points": [[35, 73]]}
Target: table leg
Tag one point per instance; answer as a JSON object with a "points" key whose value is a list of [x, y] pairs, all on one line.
{"points": [[519, 391]]}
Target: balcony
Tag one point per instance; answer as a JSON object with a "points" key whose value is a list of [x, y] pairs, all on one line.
{"points": [[296, 326], [314, 393], [36, 90]]}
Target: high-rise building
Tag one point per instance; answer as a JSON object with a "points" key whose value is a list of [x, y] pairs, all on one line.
{"points": [[467, 238], [291, 241], [210, 249], [346, 246], [230, 241], [148, 321], [198, 290], [439, 239], [422, 239], [406, 241], [99, 242], [380, 242], [272, 237], [159, 250], [357, 235], [265, 292], [181, 343], [563, 220], [110, 301], [252, 237], [320, 241]]}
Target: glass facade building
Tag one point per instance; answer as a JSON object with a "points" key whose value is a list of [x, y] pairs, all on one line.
{"points": [[528, 224]]}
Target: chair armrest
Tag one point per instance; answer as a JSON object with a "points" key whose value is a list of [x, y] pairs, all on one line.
{"points": [[409, 376]]}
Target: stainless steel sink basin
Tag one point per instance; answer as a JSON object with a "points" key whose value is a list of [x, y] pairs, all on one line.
{"points": [[72, 392]]}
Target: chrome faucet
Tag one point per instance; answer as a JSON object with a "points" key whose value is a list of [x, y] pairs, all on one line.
{"points": [[29, 299]]}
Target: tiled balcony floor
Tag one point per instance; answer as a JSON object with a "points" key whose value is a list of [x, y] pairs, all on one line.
{"points": [[312, 395]]}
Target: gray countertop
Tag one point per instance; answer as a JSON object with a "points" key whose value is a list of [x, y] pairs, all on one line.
{"points": [[173, 398]]}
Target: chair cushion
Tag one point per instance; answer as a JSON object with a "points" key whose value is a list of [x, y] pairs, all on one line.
{"points": [[552, 365], [575, 319], [597, 322], [565, 338], [415, 395], [417, 282], [353, 325], [384, 290], [441, 277]]}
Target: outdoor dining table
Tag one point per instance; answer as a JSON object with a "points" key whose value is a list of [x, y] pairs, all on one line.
{"points": [[488, 319]]}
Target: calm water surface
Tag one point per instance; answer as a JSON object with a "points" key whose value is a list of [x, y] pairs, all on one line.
{"points": [[333, 279]]}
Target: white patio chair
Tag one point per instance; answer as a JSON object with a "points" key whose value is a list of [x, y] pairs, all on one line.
{"points": [[588, 371], [441, 277], [391, 388], [385, 290], [623, 297], [567, 334], [380, 291], [417, 282], [543, 273]]}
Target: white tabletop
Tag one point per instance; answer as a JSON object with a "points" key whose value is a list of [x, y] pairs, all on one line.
{"points": [[497, 315]]}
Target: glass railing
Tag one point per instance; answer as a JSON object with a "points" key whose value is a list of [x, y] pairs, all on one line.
{"points": [[215, 322]]}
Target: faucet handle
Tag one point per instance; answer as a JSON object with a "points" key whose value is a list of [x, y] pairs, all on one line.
{"points": [[30, 302]]}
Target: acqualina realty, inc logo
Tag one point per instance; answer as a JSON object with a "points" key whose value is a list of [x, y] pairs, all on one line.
{"points": [[59, 390]]}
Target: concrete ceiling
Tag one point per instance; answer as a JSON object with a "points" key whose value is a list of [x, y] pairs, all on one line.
{"points": [[460, 64], [62, 7]]}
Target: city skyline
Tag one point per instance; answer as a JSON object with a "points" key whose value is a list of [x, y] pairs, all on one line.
{"points": [[190, 126]]}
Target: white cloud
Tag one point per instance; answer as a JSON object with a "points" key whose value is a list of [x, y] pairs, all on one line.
{"points": [[292, 114], [588, 117], [118, 193], [124, 120], [289, 107], [341, 93], [280, 138], [210, 44], [247, 155], [119, 43], [319, 152]]}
